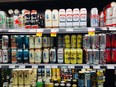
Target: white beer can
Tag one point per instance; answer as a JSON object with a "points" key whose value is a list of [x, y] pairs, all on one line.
{"points": [[46, 55], [5, 42], [31, 42], [114, 17], [38, 56], [5, 56], [38, 42], [60, 55]]}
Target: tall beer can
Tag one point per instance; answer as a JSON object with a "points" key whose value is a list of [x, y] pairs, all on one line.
{"points": [[79, 59], [15, 22], [89, 57], [69, 18], [20, 41], [46, 55], [31, 42], [108, 41], [67, 41], [13, 39], [9, 22], [62, 18], [60, 55], [114, 55], [3, 19], [1, 56], [5, 41], [73, 41], [38, 56], [95, 56], [38, 42], [114, 16], [79, 41], [101, 19], [52, 55], [19, 56], [45, 41], [31, 56], [73, 56], [95, 41], [5, 56], [20, 18], [14, 55], [26, 56], [102, 56], [67, 56], [102, 41], [108, 56], [87, 79], [60, 41], [87, 42], [25, 42], [113, 40]]}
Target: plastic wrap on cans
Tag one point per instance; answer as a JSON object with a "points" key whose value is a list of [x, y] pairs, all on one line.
{"points": [[38, 42], [5, 56], [31, 56], [67, 53], [69, 18], [60, 41], [55, 18], [67, 41], [46, 55], [38, 56], [26, 56], [79, 41], [102, 56], [87, 41], [87, 79], [52, 55], [73, 41], [31, 42], [48, 18], [14, 55], [114, 16], [108, 55], [20, 56], [95, 56], [113, 40], [95, 41], [102, 41], [94, 17], [114, 55], [109, 13], [3, 19], [62, 18], [101, 19], [79, 59], [108, 41], [83, 17], [1, 55], [25, 42], [73, 54], [13, 39], [27, 17], [60, 55], [89, 56], [5, 42], [76, 17]]}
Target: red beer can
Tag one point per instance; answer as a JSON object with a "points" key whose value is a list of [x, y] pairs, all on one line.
{"points": [[114, 55], [108, 56], [108, 41], [113, 40]]}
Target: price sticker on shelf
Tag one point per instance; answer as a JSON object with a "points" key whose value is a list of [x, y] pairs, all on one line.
{"points": [[35, 66], [39, 32], [54, 32], [86, 67], [69, 30], [32, 30], [110, 67], [48, 66], [12, 66], [96, 67], [22, 66], [91, 31], [72, 66], [54, 66]]}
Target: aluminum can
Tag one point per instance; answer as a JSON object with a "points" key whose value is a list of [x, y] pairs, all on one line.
{"points": [[114, 16], [20, 41], [20, 56], [67, 56], [13, 39], [76, 17], [102, 56], [1, 56], [60, 41], [81, 81], [14, 55], [48, 41], [73, 56], [5, 56], [101, 19], [108, 56], [95, 56], [38, 56], [45, 41], [21, 22], [46, 55], [79, 41], [62, 18], [15, 21], [60, 55], [5, 41], [26, 42], [114, 55], [41, 21], [73, 41], [0, 43], [38, 42], [95, 41], [87, 42], [32, 42], [31, 56], [94, 17], [108, 40], [79, 59], [9, 22], [67, 41], [113, 40], [26, 56], [87, 79], [89, 57], [2, 19], [52, 55], [69, 18], [52, 42], [102, 41]]}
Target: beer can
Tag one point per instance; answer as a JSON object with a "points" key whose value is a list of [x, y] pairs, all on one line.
{"points": [[20, 18], [55, 18], [1, 56], [48, 18], [83, 17], [25, 42], [93, 78], [46, 55], [102, 56], [67, 41], [114, 16], [94, 17], [0, 43], [45, 41], [14, 55], [79, 59], [52, 41], [108, 40], [19, 56], [13, 39], [60, 55], [89, 57], [20, 41], [69, 18], [100, 76], [95, 56], [38, 56], [108, 55], [42, 21], [5, 41], [101, 19], [60, 41], [31, 56], [26, 56], [102, 41], [79, 41], [52, 55], [5, 56], [67, 56], [21, 77], [38, 42], [48, 41], [39, 71], [9, 22], [48, 73], [5, 84], [95, 41], [114, 55], [87, 42], [15, 77], [73, 41], [113, 40], [81, 81], [62, 18], [43, 74], [15, 21], [76, 17], [3, 19], [87, 79], [27, 17], [73, 56], [31, 42]]}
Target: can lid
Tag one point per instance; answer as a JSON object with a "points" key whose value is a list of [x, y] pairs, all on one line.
{"points": [[62, 84], [16, 11], [10, 11], [56, 84], [68, 84]]}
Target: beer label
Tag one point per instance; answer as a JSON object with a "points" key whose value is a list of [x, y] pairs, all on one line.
{"points": [[45, 41], [31, 56], [95, 56], [38, 56], [14, 56], [76, 17], [26, 56], [73, 56], [38, 42], [89, 57], [60, 55], [21, 76], [46, 55], [15, 77], [52, 55], [79, 59], [26, 76], [31, 42], [67, 56]]}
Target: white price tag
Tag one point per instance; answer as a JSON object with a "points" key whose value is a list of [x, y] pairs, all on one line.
{"points": [[110, 67], [11, 66], [34, 66], [54, 30], [39, 30], [86, 66], [91, 29], [112, 28], [32, 30], [12, 30], [22, 66], [71, 66], [54, 66], [70, 30], [47, 66], [96, 67]]}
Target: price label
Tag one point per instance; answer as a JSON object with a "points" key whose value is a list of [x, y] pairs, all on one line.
{"points": [[54, 66], [32, 30], [12, 66], [39, 32], [71, 66], [110, 67], [86, 66], [70, 30], [91, 31], [54, 32], [47, 66], [96, 67], [12, 30], [35, 66], [22, 66]]}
